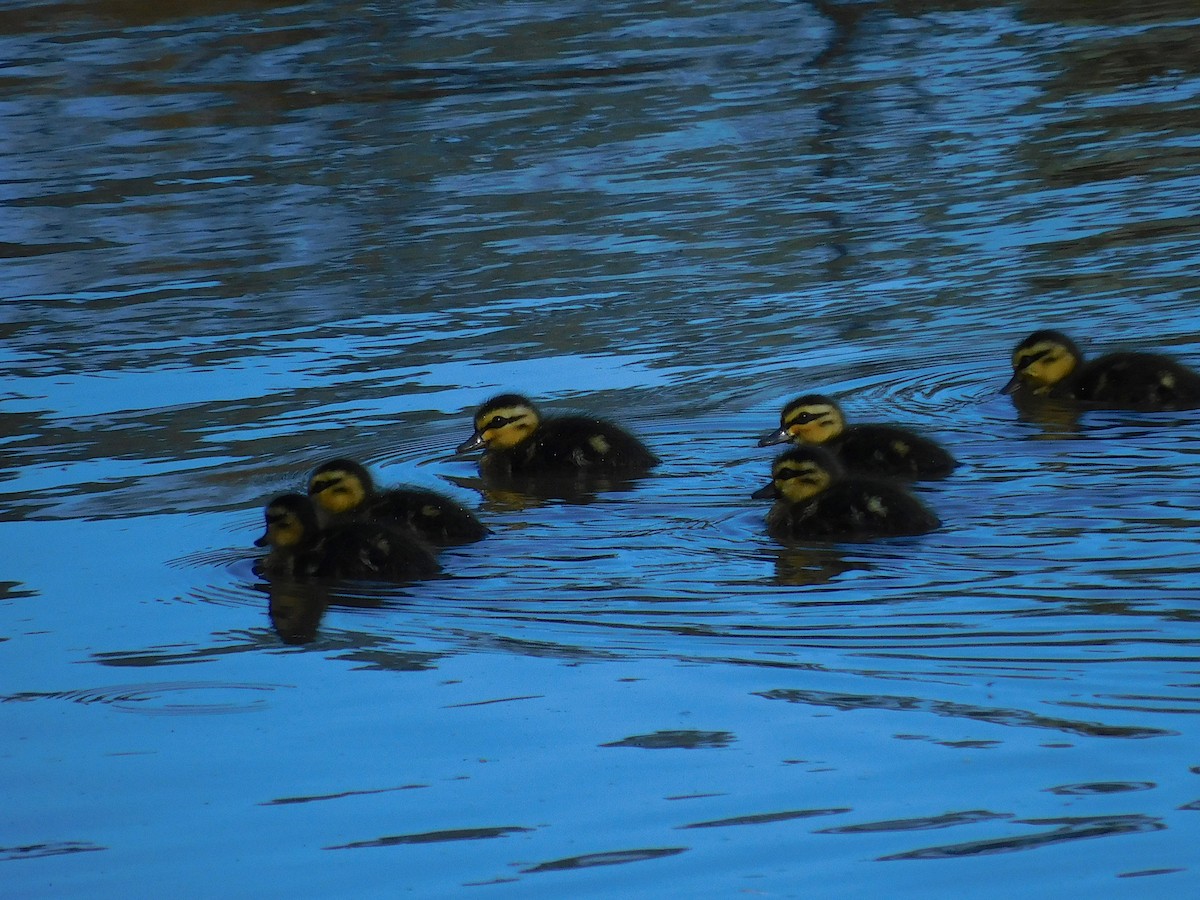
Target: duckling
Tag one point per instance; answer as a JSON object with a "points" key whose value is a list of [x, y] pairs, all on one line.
{"points": [[884, 450], [1048, 364], [343, 490], [518, 441], [815, 500], [366, 550]]}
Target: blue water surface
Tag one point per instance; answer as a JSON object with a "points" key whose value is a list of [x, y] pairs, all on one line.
{"points": [[242, 238]]}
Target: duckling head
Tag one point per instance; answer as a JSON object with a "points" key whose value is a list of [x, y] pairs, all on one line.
{"points": [[800, 474], [811, 419], [339, 486], [291, 520], [502, 423], [1041, 361]]}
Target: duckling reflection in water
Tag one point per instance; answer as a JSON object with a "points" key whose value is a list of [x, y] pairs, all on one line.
{"points": [[815, 500], [518, 442], [365, 550], [885, 450], [343, 491], [1049, 365], [296, 609]]}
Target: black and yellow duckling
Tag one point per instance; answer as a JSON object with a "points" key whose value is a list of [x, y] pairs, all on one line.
{"points": [[366, 550], [814, 500], [344, 490], [1049, 365], [884, 450], [518, 441]]}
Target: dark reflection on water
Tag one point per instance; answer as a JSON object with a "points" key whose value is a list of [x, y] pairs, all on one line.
{"points": [[1068, 830], [998, 716], [240, 238], [433, 837]]}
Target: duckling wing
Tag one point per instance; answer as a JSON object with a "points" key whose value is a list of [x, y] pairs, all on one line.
{"points": [[435, 517], [888, 450], [798, 520], [584, 443], [867, 508], [373, 551], [1138, 381]]}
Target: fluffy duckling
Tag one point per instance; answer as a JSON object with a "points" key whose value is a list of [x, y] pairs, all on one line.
{"points": [[518, 441], [1049, 364], [343, 490], [366, 550], [884, 450], [814, 500]]}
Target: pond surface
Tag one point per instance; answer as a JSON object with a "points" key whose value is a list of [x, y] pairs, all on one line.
{"points": [[243, 237]]}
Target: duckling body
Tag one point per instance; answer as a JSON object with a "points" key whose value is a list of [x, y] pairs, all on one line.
{"points": [[518, 441], [868, 449], [815, 500], [344, 491], [1049, 365], [366, 550]]}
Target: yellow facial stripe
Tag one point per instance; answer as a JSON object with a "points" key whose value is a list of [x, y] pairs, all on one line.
{"points": [[814, 424], [1028, 355], [283, 529], [1044, 364], [505, 427], [337, 492], [506, 414], [796, 482]]}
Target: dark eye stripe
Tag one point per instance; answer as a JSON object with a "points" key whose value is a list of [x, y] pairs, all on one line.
{"points": [[1025, 363]]}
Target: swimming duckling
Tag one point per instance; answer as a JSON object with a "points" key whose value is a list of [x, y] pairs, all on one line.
{"points": [[343, 490], [814, 500], [1048, 364], [518, 441], [885, 450], [366, 550]]}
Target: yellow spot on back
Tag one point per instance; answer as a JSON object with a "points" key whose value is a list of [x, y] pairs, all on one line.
{"points": [[901, 448], [599, 444], [876, 505], [1167, 380]]}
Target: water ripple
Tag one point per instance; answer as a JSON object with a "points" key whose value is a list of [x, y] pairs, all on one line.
{"points": [[164, 698]]}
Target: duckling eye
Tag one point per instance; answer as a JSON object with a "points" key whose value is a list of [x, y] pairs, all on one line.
{"points": [[497, 422], [785, 474]]}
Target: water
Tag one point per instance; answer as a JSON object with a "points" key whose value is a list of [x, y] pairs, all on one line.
{"points": [[241, 238]]}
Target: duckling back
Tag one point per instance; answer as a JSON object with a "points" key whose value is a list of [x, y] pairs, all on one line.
{"points": [[582, 443], [433, 516], [852, 508], [890, 451], [373, 551], [1146, 381]]}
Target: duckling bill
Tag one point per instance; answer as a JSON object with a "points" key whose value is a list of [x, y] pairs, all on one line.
{"points": [[1049, 365], [815, 499], [358, 549], [868, 449], [518, 440], [343, 490]]}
